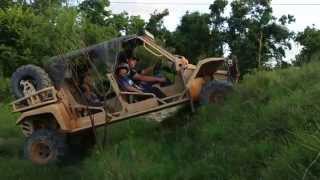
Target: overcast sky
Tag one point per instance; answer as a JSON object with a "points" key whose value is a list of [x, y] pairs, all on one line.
{"points": [[306, 15]]}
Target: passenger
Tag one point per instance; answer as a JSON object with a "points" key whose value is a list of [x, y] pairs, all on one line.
{"points": [[123, 56], [88, 89], [127, 51], [124, 81], [127, 84]]}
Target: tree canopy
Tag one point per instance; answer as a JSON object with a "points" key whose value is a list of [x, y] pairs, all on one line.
{"points": [[250, 32], [310, 40], [32, 31]]}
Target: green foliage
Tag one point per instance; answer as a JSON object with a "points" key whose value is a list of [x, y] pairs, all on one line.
{"points": [[33, 31], [7, 123], [217, 24], [255, 35], [126, 24], [5, 4], [95, 10], [28, 38], [268, 128], [192, 37], [136, 25], [4, 90], [310, 40], [92, 33], [200, 35], [155, 25], [250, 32], [17, 34]]}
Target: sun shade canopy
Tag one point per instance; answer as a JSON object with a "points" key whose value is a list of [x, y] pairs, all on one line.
{"points": [[102, 56]]}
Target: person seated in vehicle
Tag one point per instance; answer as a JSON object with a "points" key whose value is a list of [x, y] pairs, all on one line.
{"points": [[127, 51], [88, 89], [123, 56], [127, 84], [233, 69], [141, 78]]}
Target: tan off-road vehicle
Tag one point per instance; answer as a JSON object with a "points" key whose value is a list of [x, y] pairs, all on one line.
{"points": [[52, 103]]}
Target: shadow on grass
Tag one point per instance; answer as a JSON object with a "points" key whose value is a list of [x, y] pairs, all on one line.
{"points": [[182, 118]]}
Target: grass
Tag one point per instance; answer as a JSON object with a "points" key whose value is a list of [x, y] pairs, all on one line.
{"points": [[267, 129], [4, 88]]}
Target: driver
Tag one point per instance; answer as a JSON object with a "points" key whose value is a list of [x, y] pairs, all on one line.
{"points": [[141, 78], [127, 84]]}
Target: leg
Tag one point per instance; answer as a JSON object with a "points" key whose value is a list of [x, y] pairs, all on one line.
{"points": [[154, 90]]}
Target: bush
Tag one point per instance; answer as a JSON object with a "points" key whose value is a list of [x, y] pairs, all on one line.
{"points": [[267, 129], [4, 89]]}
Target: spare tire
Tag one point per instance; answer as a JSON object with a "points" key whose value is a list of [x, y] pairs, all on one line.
{"points": [[215, 92], [36, 77]]}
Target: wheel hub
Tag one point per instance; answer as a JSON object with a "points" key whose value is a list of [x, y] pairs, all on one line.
{"points": [[41, 152]]}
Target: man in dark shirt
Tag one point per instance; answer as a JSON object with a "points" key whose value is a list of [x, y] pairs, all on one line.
{"points": [[126, 83], [141, 77]]}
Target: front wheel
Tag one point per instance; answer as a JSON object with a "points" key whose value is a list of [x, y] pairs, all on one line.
{"points": [[45, 147], [215, 92]]}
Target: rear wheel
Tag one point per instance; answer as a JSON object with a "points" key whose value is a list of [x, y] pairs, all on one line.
{"points": [[215, 92], [45, 147]]}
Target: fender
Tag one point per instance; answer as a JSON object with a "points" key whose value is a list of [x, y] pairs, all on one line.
{"points": [[57, 110], [206, 67]]}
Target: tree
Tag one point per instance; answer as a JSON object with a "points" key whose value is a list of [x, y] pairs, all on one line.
{"points": [[28, 37], [136, 25], [255, 36], [42, 5], [310, 40], [126, 24], [201, 35], [16, 37], [95, 10], [192, 36], [217, 27], [155, 25], [6, 3]]}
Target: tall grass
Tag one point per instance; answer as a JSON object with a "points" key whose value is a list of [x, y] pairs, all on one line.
{"points": [[4, 89], [267, 129]]}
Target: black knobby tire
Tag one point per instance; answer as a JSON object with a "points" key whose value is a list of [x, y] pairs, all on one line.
{"points": [[84, 140], [215, 92], [39, 78], [45, 147]]}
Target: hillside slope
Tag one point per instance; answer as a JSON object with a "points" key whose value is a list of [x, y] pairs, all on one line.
{"points": [[267, 129]]}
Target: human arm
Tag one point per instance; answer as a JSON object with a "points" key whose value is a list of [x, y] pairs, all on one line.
{"points": [[125, 85], [147, 70], [145, 78], [132, 89]]}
